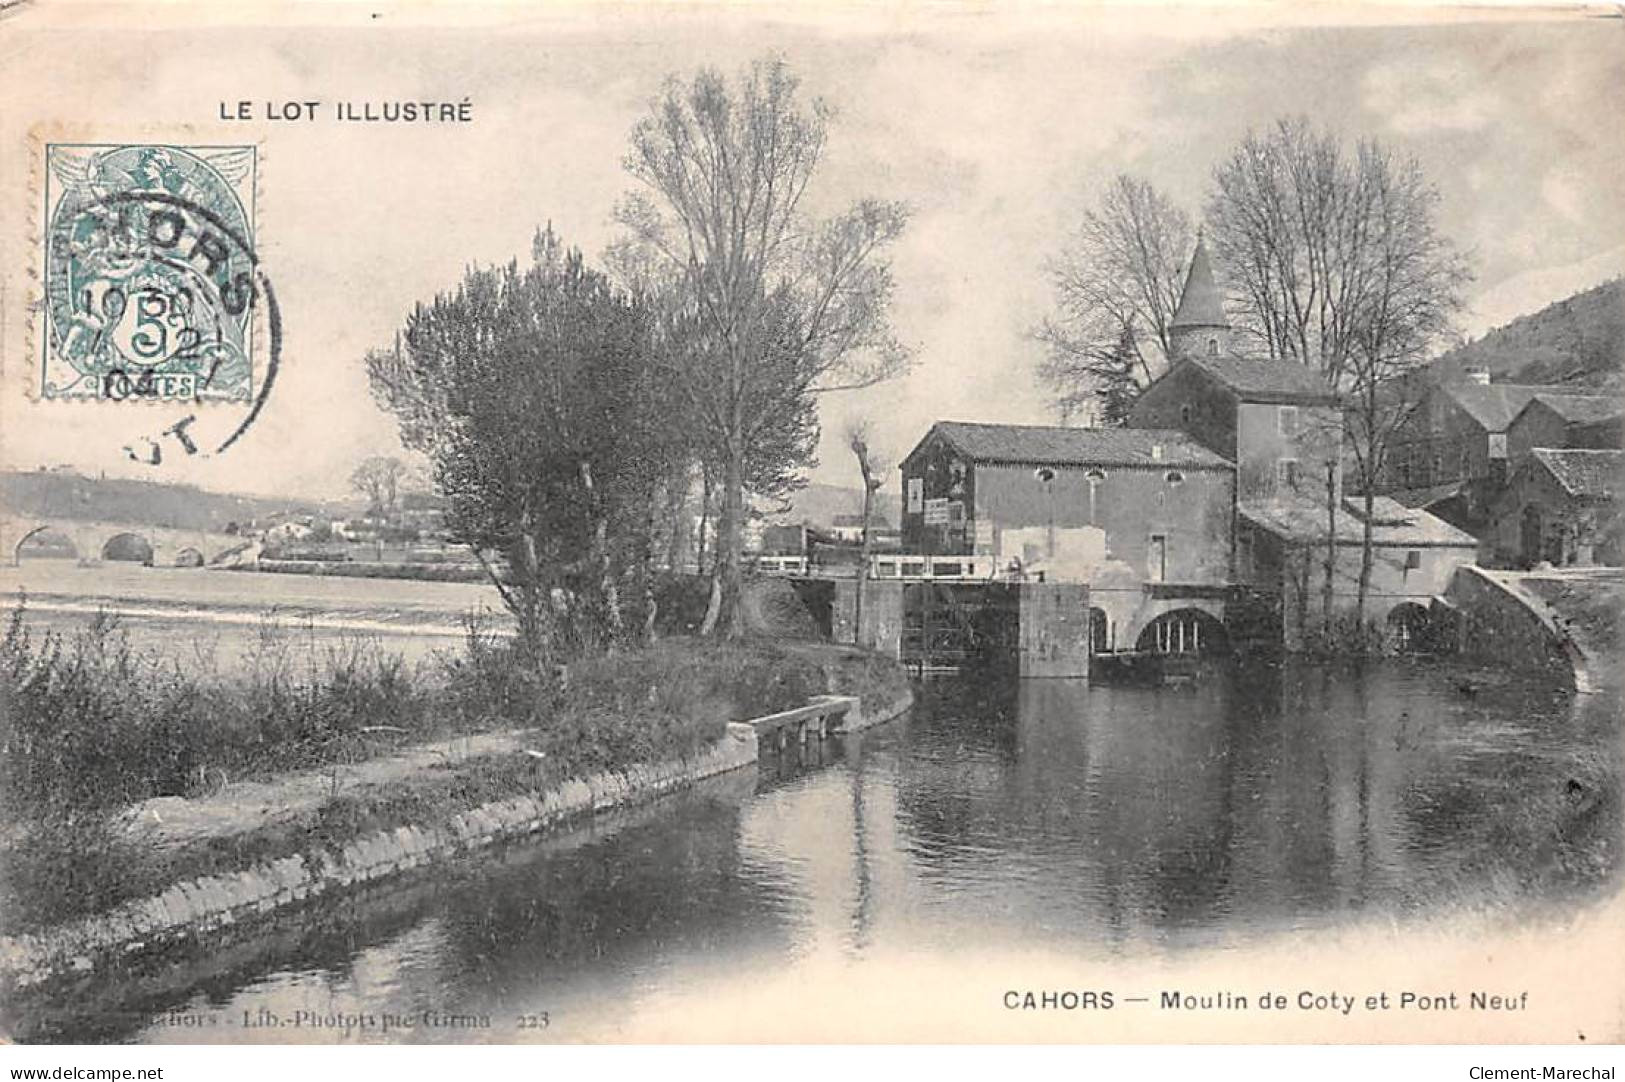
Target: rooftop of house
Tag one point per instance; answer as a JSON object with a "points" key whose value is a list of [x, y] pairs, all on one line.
{"points": [[1259, 379], [1582, 408], [1592, 475], [1494, 405], [1050, 445], [1302, 520]]}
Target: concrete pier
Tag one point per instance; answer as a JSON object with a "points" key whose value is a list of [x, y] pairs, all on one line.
{"points": [[1054, 640], [882, 616]]}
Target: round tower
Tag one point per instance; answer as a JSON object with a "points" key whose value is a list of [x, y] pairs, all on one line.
{"points": [[1199, 327]]}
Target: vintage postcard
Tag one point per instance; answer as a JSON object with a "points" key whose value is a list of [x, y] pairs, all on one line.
{"points": [[603, 523]]}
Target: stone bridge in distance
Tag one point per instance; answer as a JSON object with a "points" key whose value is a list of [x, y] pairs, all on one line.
{"points": [[95, 542]]}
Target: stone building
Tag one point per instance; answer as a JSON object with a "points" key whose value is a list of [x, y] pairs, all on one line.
{"points": [[1449, 454], [1559, 508], [1141, 515], [1280, 423], [1565, 420], [1277, 421]]}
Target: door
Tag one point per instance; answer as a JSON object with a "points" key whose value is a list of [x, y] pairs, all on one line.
{"points": [[1529, 535]]}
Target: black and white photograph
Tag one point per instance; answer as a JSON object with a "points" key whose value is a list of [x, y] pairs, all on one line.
{"points": [[807, 523]]}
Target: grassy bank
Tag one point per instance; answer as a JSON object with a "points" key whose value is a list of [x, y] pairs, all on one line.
{"points": [[90, 724]]}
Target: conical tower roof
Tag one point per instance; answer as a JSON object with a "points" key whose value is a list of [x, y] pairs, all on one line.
{"points": [[1201, 304]]}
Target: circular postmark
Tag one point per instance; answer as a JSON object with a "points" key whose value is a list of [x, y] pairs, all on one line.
{"points": [[152, 281]]}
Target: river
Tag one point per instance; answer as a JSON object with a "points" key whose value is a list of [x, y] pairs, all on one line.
{"points": [[224, 620], [1038, 820]]}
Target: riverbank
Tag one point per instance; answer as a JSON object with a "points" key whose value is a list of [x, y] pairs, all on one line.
{"points": [[129, 776], [194, 909]]}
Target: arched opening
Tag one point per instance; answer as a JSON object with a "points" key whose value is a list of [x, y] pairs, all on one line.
{"points": [[45, 543], [128, 548], [1409, 628], [1184, 631], [1098, 643], [189, 557]]}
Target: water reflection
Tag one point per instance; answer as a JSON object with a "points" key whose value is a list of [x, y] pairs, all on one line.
{"points": [[1044, 815]]}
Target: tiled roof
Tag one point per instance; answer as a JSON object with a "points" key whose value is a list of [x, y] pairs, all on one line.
{"points": [[1583, 408], [1587, 474], [1493, 405], [1303, 520], [1051, 445], [1257, 379], [1200, 303]]}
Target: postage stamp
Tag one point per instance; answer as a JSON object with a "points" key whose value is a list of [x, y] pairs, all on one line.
{"points": [[148, 273]]}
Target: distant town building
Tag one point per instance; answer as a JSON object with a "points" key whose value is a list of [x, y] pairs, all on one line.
{"points": [[1449, 454], [1560, 508]]}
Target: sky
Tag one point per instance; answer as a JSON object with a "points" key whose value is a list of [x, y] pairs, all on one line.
{"points": [[997, 128]]}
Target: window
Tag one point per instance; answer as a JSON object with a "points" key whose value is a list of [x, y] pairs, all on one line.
{"points": [[1159, 557], [1286, 474], [1288, 417], [1174, 477], [916, 495], [1185, 414], [1212, 347], [1094, 476]]}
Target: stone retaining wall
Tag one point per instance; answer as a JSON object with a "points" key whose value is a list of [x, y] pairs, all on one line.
{"points": [[861, 718], [211, 903], [1503, 625]]}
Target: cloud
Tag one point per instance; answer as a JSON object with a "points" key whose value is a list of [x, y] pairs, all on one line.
{"points": [[1437, 97]]}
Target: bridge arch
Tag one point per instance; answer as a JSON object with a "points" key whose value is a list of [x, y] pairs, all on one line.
{"points": [[1187, 630], [41, 532], [1408, 628], [129, 547]]}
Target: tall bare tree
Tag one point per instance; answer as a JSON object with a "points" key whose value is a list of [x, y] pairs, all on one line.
{"points": [[781, 307], [1117, 285], [859, 435], [1410, 297], [1340, 266]]}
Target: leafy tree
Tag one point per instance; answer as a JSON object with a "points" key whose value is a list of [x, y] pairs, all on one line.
{"points": [[770, 307], [378, 479], [536, 398]]}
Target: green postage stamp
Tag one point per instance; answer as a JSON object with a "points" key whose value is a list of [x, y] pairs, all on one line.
{"points": [[149, 273]]}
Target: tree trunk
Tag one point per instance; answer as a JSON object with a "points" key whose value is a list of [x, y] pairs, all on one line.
{"points": [[705, 519], [1331, 548], [863, 559], [650, 602], [730, 546], [609, 594], [1367, 559]]}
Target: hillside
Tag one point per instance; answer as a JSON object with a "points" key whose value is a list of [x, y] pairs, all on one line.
{"points": [[61, 494], [819, 504], [1578, 341]]}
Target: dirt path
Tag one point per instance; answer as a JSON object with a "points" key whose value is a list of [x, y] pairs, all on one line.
{"points": [[170, 821]]}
